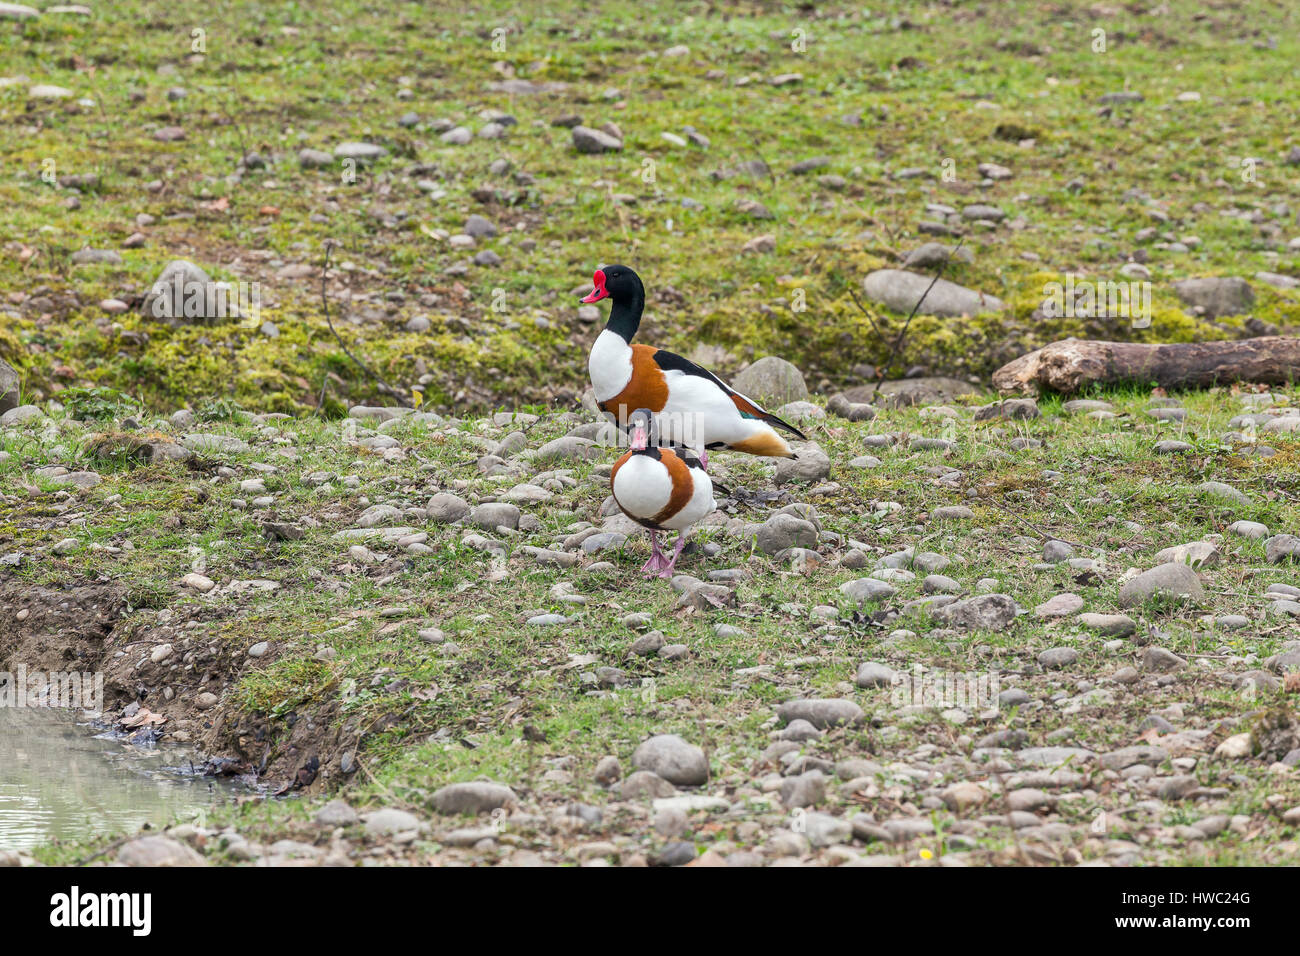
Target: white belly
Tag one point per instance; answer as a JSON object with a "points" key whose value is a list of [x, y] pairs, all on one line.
{"points": [[642, 487], [700, 506]]}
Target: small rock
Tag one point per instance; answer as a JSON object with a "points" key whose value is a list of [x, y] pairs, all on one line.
{"points": [[804, 790], [872, 674], [390, 821], [1248, 529], [1161, 661], [812, 464], [1282, 547], [336, 813], [645, 785], [1223, 492], [608, 771], [1062, 605], [771, 380], [588, 140], [1109, 625], [783, 531], [495, 514], [901, 291], [822, 713], [1194, 554], [1057, 657], [673, 759], [1173, 581], [1217, 295], [157, 851], [198, 582], [361, 152], [987, 612], [446, 508], [1235, 747], [472, 797]]}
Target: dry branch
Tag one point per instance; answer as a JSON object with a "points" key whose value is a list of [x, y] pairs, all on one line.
{"points": [[1073, 364]]}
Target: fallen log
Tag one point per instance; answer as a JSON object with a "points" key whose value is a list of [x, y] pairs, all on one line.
{"points": [[1071, 365]]}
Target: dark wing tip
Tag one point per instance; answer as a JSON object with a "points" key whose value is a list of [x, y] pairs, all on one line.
{"points": [[782, 423]]}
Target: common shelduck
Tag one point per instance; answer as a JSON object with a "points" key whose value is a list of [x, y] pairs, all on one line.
{"points": [[691, 405], [660, 487]]}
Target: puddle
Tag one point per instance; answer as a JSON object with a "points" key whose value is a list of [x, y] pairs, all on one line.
{"points": [[60, 782]]}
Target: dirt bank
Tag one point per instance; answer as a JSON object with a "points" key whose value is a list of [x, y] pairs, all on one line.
{"points": [[88, 626]]}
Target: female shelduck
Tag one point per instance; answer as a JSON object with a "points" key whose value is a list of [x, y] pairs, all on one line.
{"points": [[662, 488], [691, 405]]}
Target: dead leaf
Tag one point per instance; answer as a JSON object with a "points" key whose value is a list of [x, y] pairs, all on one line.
{"points": [[144, 717], [579, 660]]}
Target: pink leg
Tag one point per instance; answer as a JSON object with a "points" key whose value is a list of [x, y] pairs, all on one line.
{"points": [[652, 567], [667, 571], [704, 459]]}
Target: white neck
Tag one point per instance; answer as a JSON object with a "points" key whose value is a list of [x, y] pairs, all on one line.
{"points": [[610, 365]]}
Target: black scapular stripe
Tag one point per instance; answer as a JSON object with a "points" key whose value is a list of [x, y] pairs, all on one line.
{"points": [[672, 362]]}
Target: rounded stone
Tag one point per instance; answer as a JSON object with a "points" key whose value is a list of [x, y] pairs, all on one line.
{"points": [[673, 759]]}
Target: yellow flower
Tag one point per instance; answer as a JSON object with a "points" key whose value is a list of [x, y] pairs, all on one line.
{"points": [[927, 855]]}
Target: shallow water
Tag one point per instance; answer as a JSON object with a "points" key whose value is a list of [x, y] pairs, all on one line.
{"points": [[60, 782]]}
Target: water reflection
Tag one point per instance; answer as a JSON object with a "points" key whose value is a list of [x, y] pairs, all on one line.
{"points": [[59, 782]]}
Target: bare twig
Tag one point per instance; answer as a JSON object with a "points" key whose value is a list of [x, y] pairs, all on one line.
{"points": [[770, 175], [107, 849], [239, 132], [1046, 537], [871, 319], [325, 303], [320, 401], [898, 344], [620, 211]]}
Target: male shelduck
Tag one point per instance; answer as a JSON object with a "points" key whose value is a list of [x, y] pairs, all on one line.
{"points": [[691, 405], [661, 488]]}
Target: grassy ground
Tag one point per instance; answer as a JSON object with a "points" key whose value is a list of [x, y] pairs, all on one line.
{"points": [[929, 87], [393, 717], [345, 676]]}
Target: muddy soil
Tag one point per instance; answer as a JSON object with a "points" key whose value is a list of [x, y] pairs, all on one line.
{"points": [[89, 627]]}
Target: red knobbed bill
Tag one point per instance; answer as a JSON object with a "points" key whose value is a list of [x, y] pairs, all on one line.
{"points": [[600, 292]]}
